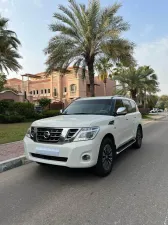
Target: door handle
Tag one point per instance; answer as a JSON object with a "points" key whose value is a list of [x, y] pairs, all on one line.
{"points": [[111, 122], [126, 118]]}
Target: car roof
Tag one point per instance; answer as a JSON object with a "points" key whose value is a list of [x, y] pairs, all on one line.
{"points": [[105, 97]]}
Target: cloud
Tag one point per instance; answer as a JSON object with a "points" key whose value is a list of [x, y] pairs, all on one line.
{"points": [[7, 1], [38, 3], [155, 54], [7, 8], [5, 12], [147, 30]]}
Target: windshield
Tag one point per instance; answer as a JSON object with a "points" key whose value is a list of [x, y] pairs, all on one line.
{"points": [[96, 107]]}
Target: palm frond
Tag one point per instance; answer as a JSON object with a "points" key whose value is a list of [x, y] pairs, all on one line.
{"points": [[84, 33]]}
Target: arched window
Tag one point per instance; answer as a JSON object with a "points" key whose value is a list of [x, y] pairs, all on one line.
{"points": [[73, 88]]}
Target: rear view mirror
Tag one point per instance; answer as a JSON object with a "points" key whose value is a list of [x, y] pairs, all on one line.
{"points": [[121, 111], [61, 111]]}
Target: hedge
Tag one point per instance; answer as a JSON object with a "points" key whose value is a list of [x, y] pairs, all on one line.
{"points": [[50, 113], [11, 118], [25, 109], [15, 112]]}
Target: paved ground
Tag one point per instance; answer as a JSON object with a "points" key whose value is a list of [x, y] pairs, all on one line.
{"points": [[136, 192], [11, 150]]}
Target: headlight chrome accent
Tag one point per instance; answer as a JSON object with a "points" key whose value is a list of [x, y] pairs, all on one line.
{"points": [[87, 133]]}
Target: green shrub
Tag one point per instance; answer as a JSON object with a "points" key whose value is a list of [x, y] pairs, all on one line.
{"points": [[6, 106], [44, 102], [50, 113], [15, 119], [2, 118], [15, 112], [11, 118], [25, 109], [38, 116]]}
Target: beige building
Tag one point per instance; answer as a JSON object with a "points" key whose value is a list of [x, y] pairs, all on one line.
{"points": [[63, 88]]}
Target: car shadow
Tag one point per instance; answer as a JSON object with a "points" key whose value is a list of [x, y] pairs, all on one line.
{"points": [[70, 175]]}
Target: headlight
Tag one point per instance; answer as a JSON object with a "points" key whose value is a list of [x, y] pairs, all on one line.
{"points": [[30, 132], [87, 134]]}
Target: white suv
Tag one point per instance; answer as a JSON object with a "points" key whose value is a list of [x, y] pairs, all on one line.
{"points": [[89, 133]]}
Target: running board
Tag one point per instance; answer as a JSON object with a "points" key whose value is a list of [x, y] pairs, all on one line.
{"points": [[123, 147]]}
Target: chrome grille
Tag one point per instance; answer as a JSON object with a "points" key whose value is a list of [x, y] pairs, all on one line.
{"points": [[71, 133], [48, 134]]}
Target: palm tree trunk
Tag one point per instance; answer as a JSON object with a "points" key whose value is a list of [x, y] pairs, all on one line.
{"points": [[105, 92], [91, 77], [133, 95], [145, 100]]}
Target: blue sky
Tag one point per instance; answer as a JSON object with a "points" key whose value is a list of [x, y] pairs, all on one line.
{"points": [[149, 31]]}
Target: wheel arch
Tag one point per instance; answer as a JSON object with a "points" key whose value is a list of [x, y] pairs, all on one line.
{"points": [[110, 136], [140, 126]]}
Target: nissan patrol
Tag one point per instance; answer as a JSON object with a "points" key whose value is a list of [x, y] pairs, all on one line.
{"points": [[89, 133]]}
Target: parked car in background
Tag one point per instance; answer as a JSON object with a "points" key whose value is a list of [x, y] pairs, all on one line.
{"points": [[89, 133], [38, 109], [154, 110]]}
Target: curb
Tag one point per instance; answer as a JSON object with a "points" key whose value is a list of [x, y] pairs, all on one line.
{"points": [[153, 120], [160, 118], [13, 163], [146, 122]]}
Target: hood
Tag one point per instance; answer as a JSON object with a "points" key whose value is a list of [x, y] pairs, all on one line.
{"points": [[71, 121]]}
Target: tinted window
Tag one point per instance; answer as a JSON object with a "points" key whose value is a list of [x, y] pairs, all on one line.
{"points": [[133, 106], [97, 107], [128, 106], [118, 104]]}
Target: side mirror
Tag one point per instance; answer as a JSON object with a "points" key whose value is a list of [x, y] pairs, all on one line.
{"points": [[121, 111], [61, 111]]}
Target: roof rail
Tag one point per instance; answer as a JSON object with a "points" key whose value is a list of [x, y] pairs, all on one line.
{"points": [[118, 96]]}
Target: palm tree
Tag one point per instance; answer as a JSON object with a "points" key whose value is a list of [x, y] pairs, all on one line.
{"points": [[141, 80], [104, 66], [2, 81], [85, 33], [9, 44]]}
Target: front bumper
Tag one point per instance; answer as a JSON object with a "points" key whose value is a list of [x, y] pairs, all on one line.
{"points": [[72, 152]]}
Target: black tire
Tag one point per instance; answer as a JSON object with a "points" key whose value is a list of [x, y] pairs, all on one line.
{"points": [[139, 136], [106, 158]]}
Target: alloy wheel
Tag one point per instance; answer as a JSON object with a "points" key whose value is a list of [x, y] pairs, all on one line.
{"points": [[107, 158]]}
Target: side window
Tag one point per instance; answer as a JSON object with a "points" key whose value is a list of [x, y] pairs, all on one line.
{"points": [[133, 106], [118, 104], [128, 106]]}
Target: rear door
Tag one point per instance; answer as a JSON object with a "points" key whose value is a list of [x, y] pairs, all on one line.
{"points": [[135, 115], [129, 119]]}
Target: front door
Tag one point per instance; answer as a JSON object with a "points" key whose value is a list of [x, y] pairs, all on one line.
{"points": [[121, 125]]}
